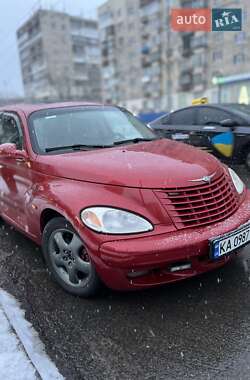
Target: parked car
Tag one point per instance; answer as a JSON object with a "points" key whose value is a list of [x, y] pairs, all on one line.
{"points": [[150, 116], [109, 202], [223, 130]]}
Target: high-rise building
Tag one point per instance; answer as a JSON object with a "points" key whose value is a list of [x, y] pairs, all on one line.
{"points": [[120, 41], [60, 57], [147, 66], [229, 57], [142, 64]]}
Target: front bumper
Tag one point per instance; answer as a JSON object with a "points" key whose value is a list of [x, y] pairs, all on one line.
{"points": [[159, 254]]}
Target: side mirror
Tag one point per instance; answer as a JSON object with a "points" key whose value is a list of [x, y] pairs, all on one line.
{"points": [[230, 123], [10, 151], [7, 150]]}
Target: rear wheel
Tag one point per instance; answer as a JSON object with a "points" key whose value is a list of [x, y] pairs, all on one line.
{"points": [[68, 259]]}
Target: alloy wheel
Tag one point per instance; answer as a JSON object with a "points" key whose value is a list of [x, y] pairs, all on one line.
{"points": [[69, 257]]}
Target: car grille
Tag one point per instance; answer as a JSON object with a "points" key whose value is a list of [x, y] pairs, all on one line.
{"points": [[202, 204]]}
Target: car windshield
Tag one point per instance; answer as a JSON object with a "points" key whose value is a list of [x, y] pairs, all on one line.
{"points": [[85, 127]]}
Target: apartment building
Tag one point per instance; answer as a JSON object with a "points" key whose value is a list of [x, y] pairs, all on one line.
{"points": [[147, 66], [229, 57], [120, 41], [60, 57]]}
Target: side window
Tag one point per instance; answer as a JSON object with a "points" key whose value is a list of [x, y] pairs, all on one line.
{"points": [[209, 116], [186, 116], [165, 120], [10, 131]]}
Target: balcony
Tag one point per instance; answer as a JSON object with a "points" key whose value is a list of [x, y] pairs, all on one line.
{"points": [[105, 62], [199, 42], [146, 61], [186, 80], [186, 66], [145, 50], [187, 39], [149, 7]]}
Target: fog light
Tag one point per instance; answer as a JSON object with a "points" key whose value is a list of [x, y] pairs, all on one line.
{"points": [[134, 274], [177, 268]]}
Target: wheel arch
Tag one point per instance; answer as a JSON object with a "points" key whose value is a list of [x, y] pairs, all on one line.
{"points": [[47, 215]]}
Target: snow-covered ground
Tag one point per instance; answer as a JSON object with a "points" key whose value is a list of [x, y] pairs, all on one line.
{"points": [[22, 355]]}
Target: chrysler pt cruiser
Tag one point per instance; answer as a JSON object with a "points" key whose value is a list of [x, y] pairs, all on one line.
{"points": [[110, 202]]}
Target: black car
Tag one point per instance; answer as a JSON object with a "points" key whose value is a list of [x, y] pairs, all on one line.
{"points": [[221, 129]]}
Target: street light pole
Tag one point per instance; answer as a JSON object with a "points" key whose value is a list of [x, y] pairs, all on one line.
{"points": [[218, 81], [219, 93]]}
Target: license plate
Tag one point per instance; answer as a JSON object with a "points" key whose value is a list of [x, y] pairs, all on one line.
{"points": [[180, 136], [230, 242]]}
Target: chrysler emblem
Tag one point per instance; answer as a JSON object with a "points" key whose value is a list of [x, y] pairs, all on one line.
{"points": [[206, 178]]}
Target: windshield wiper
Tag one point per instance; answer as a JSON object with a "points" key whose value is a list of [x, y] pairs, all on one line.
{"points": [[76, 147], [135, 140], [86, 147]]}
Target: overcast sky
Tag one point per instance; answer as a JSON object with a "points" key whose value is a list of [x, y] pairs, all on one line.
{"points": [[14, 13]]}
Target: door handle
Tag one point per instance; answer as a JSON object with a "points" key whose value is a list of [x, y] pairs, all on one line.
{"points": [[20, 159], [1, 166]]}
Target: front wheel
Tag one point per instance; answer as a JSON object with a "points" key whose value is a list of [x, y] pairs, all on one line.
{"points": [[68, 260]]}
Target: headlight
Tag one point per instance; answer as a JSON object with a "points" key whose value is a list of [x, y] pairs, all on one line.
{"points": [[114, 221], [239, 185]]}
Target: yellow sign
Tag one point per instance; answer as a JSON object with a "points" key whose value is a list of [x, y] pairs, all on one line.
{"points": [[197, 101]]}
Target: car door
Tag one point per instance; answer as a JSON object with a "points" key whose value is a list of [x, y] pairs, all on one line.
{"points": [[14, 172], [212, 136], [178, 125]]}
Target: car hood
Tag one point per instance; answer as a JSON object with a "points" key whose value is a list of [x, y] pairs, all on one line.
{"points": [[157, 164]]}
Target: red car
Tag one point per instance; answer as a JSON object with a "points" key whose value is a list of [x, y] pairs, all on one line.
{"points": [[112, 203]]}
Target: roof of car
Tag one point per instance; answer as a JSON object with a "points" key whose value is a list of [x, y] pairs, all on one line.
{"points": [[27, 109], [231, 107], [217, 105]]}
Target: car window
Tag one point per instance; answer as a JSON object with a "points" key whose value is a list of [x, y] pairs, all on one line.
{"points": [[97, 126], [10, 132], [186, 116], [163, 120], [210, 115]]}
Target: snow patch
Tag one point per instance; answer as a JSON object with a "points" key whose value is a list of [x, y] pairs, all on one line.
{"points": [[15, 363]]}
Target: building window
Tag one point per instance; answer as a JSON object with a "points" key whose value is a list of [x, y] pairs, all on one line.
{"points": [[120, 41], [197, 79], [130, 10], [145, 49], [198, 60], [244, 15], [218, 36], [239, 58], [240, 37], [194, 4], [131, 55], [131, 40], [217, 55]]}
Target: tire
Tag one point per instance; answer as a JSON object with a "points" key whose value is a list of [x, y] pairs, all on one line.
{"points": [[247, 160], [67, 259]]}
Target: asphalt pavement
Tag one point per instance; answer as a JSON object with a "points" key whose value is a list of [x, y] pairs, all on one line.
{"points": [[196, 329]]}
